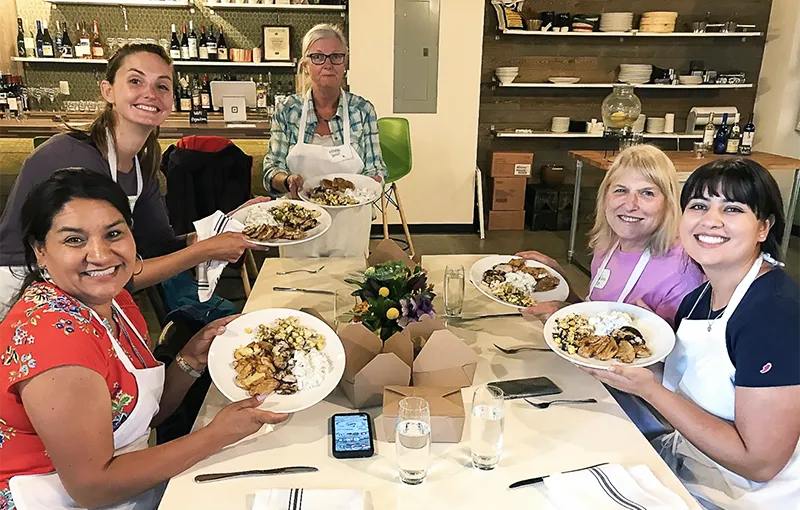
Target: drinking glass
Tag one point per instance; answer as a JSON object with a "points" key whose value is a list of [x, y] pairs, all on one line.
{"points": [[486, 427], [453, 291], [413, 439]]}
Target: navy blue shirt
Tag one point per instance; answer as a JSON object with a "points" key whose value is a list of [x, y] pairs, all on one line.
{"points": [[763, 334]]}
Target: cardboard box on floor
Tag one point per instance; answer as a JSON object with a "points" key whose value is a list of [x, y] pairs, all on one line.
{"points": [[508, 193], [446, 407], [444, 360], [507, 220], [512, 164]]}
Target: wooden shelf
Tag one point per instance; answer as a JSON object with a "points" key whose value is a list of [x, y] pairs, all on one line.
{"points": [[127, 3], [77, 61], [549, 85], [630, 34], [273, 7], [548, 134], [177, 63]]}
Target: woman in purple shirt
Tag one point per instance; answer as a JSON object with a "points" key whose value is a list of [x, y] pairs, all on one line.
{"points": [[637, 257]]}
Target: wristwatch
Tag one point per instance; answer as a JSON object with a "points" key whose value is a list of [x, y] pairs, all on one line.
{"points": [[186, 367]]}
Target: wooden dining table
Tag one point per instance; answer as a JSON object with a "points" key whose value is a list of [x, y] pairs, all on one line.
{"points": [[536, 442]]}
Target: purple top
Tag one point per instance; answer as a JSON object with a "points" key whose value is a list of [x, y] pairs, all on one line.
{"points": [[662, 286]]}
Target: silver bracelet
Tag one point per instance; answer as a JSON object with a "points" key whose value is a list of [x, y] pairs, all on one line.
{"points": [[186, 367]]}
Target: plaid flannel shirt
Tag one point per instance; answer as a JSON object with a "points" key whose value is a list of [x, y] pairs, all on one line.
{"points": [[286, 127]]}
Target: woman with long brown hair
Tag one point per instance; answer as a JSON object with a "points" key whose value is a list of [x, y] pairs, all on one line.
{"points": [[122, 143]]}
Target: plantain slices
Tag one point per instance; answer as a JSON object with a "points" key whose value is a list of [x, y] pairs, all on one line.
{"points": [[626, 352], [609, 350]]}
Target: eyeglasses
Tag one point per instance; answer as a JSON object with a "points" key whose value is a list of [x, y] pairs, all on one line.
{"points": [[319, 58]]}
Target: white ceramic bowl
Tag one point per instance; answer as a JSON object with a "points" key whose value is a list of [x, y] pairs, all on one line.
{"points": [[690, 80], [558, 80]]}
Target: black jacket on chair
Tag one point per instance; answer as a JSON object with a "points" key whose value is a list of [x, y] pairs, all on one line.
{"points": [[200, 182]]}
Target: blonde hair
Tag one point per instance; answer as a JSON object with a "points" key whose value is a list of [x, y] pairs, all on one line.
{"points": [[653, 165], [317, 33]]}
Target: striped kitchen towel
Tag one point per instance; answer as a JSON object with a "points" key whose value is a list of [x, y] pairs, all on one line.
{"points": [[309, 499], [209, 272]]}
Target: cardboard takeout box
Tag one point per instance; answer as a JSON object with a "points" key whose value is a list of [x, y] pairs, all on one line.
{"points": [[446, 406]]}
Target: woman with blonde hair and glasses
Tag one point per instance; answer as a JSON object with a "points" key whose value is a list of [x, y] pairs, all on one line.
{"points": [[637, 257], [325, 131]]}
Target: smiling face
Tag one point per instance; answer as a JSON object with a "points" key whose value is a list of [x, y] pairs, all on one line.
{"points": [[326, 74], [721, 234], [142, 89], [634, 209], [89, 251]]}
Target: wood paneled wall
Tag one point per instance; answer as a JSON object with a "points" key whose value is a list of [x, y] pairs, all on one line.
{"points": [[596, 59]]}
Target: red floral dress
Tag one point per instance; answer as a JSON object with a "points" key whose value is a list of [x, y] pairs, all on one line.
{"points": [[46, 329]]}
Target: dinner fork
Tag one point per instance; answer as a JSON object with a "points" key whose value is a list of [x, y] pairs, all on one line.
{"points": [[514, 350], [310, 271], [545, 405]]}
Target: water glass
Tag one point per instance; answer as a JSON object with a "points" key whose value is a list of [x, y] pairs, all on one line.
{"points": [[453, 291], [486, 427], [413, 439]]}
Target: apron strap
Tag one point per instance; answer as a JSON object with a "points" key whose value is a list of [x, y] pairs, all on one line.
{"points": [[632, 279], [112, 166]]}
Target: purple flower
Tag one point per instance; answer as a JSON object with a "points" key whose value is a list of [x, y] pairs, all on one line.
{"points": [[414, 308]]}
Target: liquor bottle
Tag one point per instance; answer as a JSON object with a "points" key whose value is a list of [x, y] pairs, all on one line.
{"points": [[12, 94], [66, 44], [3, 96], [193, 53], [47, 42], [205, 93], [708, 133], [58, 41], [721, 138], [270, 95], [85, 43], [96, 42], [39, 39], [202, 47], [176, 94], [20, 38], [748, 134], [734, 137], [211, 44], [174, 45], [261, 95], [184, 45], [222, 46]]}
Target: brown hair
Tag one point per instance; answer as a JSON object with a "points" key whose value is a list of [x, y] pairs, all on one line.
{"points": [[150, 153]]}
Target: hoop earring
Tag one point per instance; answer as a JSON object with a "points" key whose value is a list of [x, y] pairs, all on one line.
{"points": [[139, 257]]}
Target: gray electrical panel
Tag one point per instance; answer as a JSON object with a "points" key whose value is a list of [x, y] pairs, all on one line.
{"points": [[416, 55]]}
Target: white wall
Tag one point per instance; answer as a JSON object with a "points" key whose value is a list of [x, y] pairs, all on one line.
{"points": [[440, 188]]}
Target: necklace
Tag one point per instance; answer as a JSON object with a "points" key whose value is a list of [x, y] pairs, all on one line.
{"points": [[709, 320]]}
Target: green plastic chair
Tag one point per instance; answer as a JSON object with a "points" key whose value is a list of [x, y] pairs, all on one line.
{"points": [[39, 140], [395, 138]]}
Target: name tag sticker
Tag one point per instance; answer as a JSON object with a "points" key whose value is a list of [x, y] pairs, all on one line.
{"points": [[339, 154], [603, 280]]}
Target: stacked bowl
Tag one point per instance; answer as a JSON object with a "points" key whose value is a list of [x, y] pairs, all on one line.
{"points": [[616, 22], [635, 73], [659, 22], [560, 125], [689, 79], [655, 125], [506, 75]]}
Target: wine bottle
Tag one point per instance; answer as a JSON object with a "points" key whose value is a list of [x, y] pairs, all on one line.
{"points": [[211, 44], [205, 93], [202, 44], [12, 92], [186, 97], [708, 132], [734, 137], [748, 134], [184, 45], [58, 41], [85, 43], [20, 39], [193, 53], [174, 45], [96, 42], [222, 46], [47, 42], [261, 95], [30, 44], [721, 138], [3, 95], [66, 44], [39, 39], [197, 101]]}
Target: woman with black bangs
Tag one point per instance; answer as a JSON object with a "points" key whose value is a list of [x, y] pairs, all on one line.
{"points": [[731, 387]]}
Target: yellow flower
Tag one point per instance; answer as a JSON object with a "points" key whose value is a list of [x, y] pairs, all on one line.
{"points": [[392, 314], [384, 292]]}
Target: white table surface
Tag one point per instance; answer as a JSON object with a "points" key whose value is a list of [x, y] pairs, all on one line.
{"points": [[537, 442]]}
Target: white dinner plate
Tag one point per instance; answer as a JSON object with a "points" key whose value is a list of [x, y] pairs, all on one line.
{"points": [[358, 180], [220, 359], [560, 293], [323, 222], [563, 80], [657, 333]]}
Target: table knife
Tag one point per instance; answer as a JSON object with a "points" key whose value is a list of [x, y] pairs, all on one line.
{"points": [[531, 481], [487, 316], [210, 477], [310, 291]]}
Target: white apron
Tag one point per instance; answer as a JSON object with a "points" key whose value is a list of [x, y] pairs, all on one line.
{"points": [[350, 228], [46, 492], [112, 165], [603, 274], [700, 369]]}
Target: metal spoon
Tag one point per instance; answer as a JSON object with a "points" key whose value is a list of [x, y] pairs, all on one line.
{"points": [[514, 350], [310, 271], [545, 405]]}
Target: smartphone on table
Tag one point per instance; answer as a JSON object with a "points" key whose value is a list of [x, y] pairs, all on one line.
{"points": [[352, 436], [532, 387]]}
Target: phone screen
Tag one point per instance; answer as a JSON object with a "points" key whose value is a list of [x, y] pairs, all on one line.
{"points": [[351, 433]]}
